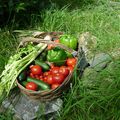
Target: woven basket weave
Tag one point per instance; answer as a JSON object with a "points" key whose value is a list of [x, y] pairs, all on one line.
{"points": [[49, 94]]}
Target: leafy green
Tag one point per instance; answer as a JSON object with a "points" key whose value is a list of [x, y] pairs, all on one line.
{"points": [[16, 64]]}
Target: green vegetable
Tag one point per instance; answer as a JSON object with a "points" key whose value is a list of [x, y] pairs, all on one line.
{"points": [[24, 83], [40, 83], [57, 56], [42, 56], [16, 64], [69, 41], [44, 65], [22, 76], [69, 55]]}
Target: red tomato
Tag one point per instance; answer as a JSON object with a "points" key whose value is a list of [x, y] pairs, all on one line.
{"points": [[41, 77], [55, 70], [70, 68], [73, 66], [64, 70], [53, 86], [31, 66], [49, 79], [57, 41], [45, 79], [46, 73], [52, 65], [50, 46], [36, 70], [31, 86], [31, 75], [71, 61], [58, 78], [37, 76]]}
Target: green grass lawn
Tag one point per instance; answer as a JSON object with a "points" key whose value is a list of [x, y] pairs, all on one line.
{"points": [[102, 20]]}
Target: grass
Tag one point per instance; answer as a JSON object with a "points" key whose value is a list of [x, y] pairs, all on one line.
{"points": [[83, 102], [102, 21], [7, 116], [8, 45], [100, 101]]}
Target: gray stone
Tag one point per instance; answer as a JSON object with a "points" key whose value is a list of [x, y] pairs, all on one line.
{"points": [[89, 78], [88, 43], [100, 61], [27, 109]]}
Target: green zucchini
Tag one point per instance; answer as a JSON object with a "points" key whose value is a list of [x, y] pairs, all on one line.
{"points": [[42, 56], [22, 76], [44, 65], [24, 83], [40, 83]]}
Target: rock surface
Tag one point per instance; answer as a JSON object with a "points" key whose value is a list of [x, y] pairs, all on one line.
{"points": [[27, 109], [97, 63], [100, 61], [88, 43]]}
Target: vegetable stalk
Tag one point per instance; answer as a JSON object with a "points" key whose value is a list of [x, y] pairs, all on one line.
{"points": [[16, 64]]}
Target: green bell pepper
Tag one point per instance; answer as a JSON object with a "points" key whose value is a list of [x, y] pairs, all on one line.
{"points": [[69, 41], [57, 56]]}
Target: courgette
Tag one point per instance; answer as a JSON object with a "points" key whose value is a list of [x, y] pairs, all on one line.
{"points": [[44, 65], [40, 83], [42, 56], [22, 76], [24, 83]]}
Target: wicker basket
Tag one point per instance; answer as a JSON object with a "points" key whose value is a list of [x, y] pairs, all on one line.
{"points": [[50, 94]]}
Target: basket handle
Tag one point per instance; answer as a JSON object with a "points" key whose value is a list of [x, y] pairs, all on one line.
{"points": [[38, 40]]}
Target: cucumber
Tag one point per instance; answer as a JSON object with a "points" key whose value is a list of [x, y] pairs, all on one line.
{"points": [[24, 83], [42, 56], [44, 65], [22, 76], [40, 83]]}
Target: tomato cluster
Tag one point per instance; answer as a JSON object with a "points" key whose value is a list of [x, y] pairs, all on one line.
{"points": [[55, 75]]}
